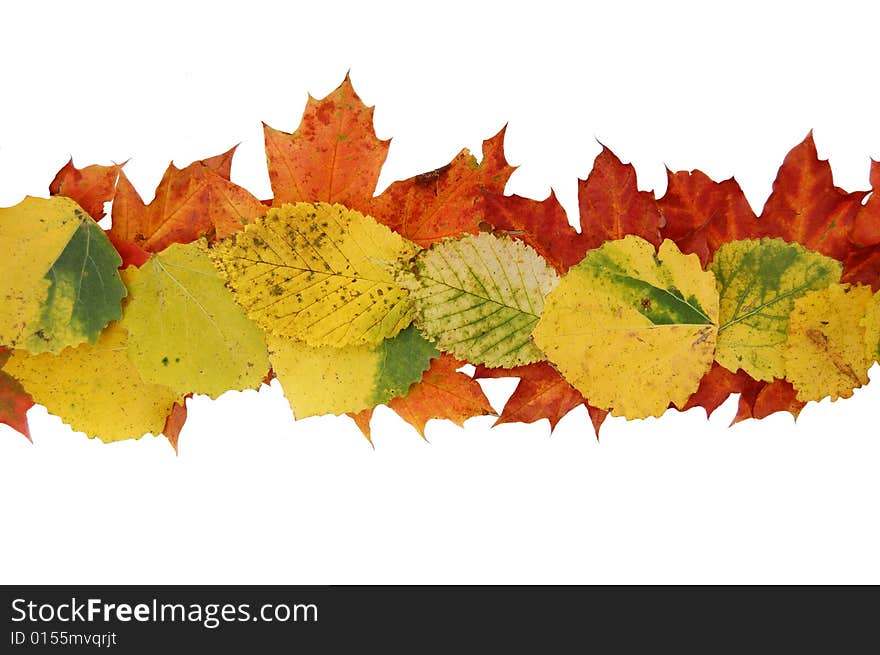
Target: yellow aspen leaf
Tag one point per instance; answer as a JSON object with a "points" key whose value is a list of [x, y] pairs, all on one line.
{"points": [[184, 329], [825, 354], [327, 380], [480, 296], [60, 286], [319, 273], [95, 388], [871, 323], [758, 282], [633, 329]]}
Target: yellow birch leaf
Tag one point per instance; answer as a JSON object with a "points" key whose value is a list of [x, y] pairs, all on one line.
{"points": [[319, 273], [632, 329], [327, 380], [95, 388], [480, 296], [184, 329], [825, 354]]}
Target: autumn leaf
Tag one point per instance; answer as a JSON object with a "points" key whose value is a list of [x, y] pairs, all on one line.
{"points": [[612, 206], [442, 393], [627, 313], [541, 393], [542, 224], [95, 388], [444, 203], [333, 157], [185, 331], [14, 400], [319, 273], [331, 380], [866, 230], [758, 283], [192, 202], [61, 286], [175, 421], [479, 297], [700, 214], [826, 351], [805, 206], [89, 187]]}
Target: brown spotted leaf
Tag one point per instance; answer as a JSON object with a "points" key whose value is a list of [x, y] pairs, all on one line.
{"points": [[175, 421], [334, 155]]}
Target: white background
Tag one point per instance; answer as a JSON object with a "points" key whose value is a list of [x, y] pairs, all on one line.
{"points": [[254, 497]]}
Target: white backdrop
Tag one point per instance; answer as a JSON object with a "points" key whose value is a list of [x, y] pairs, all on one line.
{"points": [[254, 497]]}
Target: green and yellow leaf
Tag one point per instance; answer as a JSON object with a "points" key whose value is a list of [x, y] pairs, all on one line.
{"points": [[319, 273], [758, 282], [480, 296], [327, 380], [60, 286], [184, 329], [95, 388], [825, 353], [632, 329]]}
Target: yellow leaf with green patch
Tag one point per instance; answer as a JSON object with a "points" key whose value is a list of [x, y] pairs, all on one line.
{"points": [[327, 380], [632, 329], [184, 329], [95, 388], [480, 296], [60, 285], [319, 273], [758, 282], [825, 354]]}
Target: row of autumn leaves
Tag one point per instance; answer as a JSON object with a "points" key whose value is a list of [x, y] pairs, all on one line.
{"points": [[782, 311]]}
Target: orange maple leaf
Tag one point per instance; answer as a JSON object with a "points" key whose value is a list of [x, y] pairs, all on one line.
{"points": [[445, 202], [540, 393], [442, 393], [14, 400], [90, 187], [333, 156], [195, 201]]}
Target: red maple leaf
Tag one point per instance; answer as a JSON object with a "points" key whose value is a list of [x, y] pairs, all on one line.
{"points": [[806, 207], [14, 400], [540, 393], [701, 214]]}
